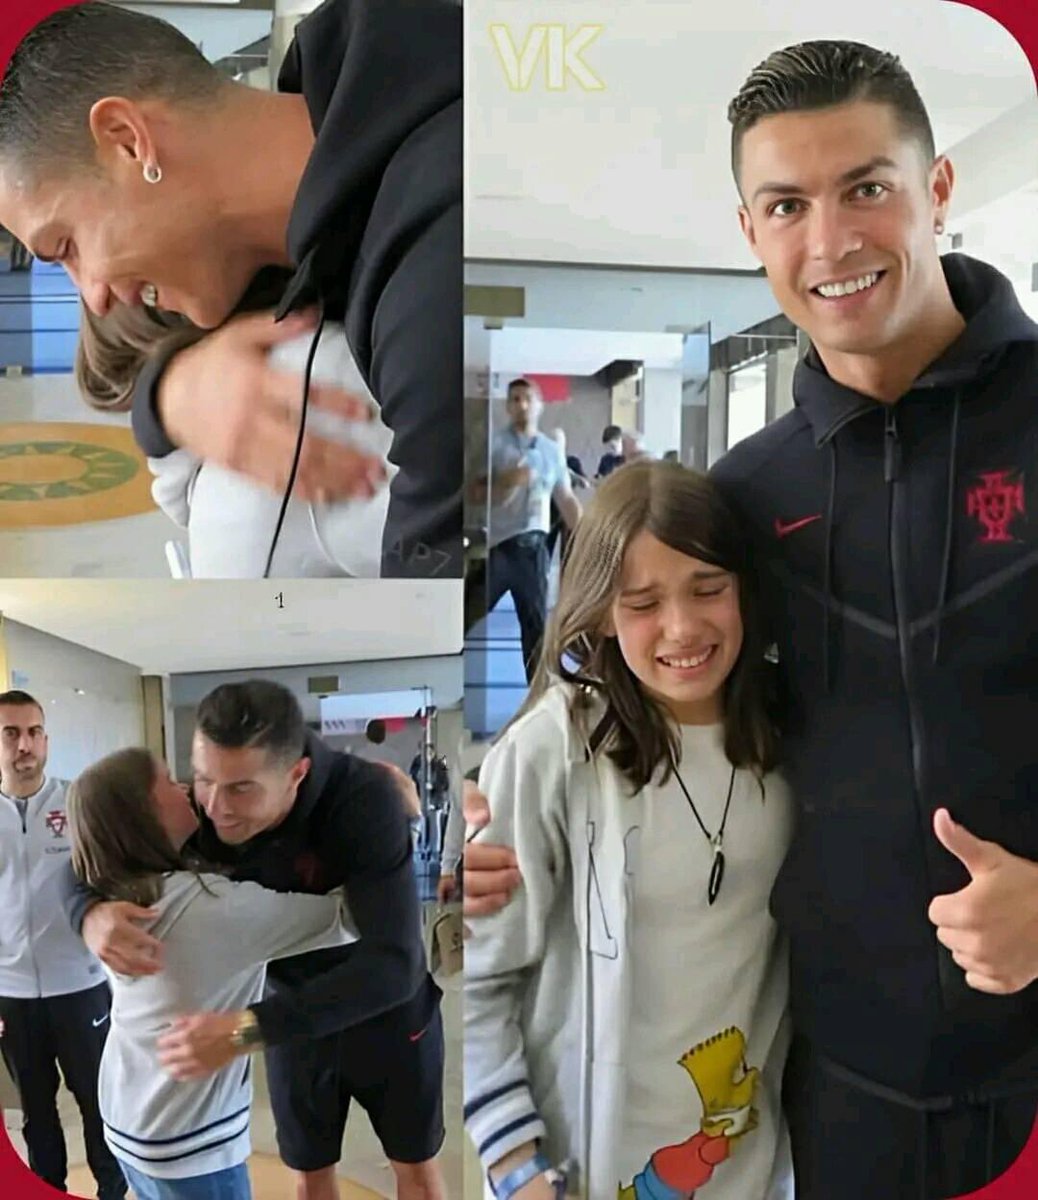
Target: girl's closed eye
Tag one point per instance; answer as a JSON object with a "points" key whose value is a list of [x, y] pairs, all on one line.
{"points": [[652, 665]]}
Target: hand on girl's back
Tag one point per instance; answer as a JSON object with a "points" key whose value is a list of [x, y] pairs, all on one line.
{"points": [[112, 931], [223, 401], [491, 872]]}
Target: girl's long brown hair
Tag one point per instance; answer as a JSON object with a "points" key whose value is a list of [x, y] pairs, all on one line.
{"points": [[113, 349], [119, 848], [685, 511]]}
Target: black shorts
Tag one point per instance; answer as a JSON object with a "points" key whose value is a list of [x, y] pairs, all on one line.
{"points": [[391, 1065]]}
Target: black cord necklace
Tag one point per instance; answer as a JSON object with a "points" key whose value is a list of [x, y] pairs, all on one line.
{"points": [[717, 841]]}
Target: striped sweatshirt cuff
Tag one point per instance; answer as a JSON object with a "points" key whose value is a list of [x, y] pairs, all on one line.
{"points": [[501, 1120]]}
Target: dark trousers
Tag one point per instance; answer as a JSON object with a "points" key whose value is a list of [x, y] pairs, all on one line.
{"points": [[69, 1032], [852, 1144], [519, 566], [560, 534]]}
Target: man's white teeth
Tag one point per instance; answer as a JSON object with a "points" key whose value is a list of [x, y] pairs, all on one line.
{"points": [[150, 295], [848, 287], [685, 663]]}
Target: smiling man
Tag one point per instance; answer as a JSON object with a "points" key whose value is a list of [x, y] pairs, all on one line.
{"points": [[155, 179], [892, 508], [892, 512], [361, 1022]]}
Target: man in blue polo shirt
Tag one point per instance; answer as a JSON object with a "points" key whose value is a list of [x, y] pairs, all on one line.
{"points": [[527, 472]]}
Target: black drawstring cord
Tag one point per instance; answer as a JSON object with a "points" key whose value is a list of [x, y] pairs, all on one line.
{"points": [[287, 498], [828, 581], [949, 527]]}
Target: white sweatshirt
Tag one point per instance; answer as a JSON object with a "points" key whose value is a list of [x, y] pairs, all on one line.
{"points": [[230, 520], [581, 998], [217, 937], [39, 953]]}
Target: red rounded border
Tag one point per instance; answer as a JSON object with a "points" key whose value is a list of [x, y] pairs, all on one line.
{"points": [[19, 17], [1020, 18], [1017, 17]]}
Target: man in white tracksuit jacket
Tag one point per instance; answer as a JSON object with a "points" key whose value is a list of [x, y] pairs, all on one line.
{"points": [[54, 999]]}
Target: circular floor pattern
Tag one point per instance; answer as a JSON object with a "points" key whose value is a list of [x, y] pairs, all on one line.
{"points": [[56, 474]]}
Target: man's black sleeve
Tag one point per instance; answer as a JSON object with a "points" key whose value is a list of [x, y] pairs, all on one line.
{"points": [[416, 375], [144, 416], [369, 833], [76, 898]]}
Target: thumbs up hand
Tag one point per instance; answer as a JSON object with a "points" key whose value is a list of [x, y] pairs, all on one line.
{"points": [[991, 925]]}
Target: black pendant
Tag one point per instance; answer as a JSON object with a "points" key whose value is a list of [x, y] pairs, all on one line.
{"points": [[716, 876]]}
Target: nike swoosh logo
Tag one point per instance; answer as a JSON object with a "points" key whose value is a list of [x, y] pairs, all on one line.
{"points": [[96, 1024], [414, 1037], [782, 529]]}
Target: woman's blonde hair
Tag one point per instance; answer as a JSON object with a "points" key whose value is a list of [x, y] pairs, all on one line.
{"points": [[119, 847], [113, 349], [685, 511]]}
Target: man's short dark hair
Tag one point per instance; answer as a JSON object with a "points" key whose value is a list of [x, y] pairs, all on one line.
{"points": [[80, 55], [375, 731], [20, 699], [814, 75], [611, 433], [519, 383], [257, 714]]}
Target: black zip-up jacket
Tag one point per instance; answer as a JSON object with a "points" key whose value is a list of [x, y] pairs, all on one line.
{"points": [[348, 829], [376, 236], [900, 553]]}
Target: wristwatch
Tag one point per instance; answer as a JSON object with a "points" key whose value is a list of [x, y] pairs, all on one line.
{"points": [[247, 1034]]}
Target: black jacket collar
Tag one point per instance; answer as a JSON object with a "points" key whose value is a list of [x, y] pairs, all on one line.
{"points": [[994, 319]]}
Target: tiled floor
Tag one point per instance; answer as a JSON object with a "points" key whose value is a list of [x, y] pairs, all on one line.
{"points": [[364, 1172], [125, 547]]}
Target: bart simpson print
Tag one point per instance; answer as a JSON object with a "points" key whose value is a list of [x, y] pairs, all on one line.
{"points": [[726, 1089]]}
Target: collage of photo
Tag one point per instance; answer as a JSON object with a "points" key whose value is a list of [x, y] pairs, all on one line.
{"points": [[516, 561]]}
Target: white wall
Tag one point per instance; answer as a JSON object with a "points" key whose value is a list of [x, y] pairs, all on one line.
{"points": [[573, 297], [443, 676], [82, 728], [661, 410], [520, 349], [218, 31], [747, 401], [638, 172]]}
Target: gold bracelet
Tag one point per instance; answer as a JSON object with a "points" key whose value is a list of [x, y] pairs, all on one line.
{"points": [[247, 1035]]}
